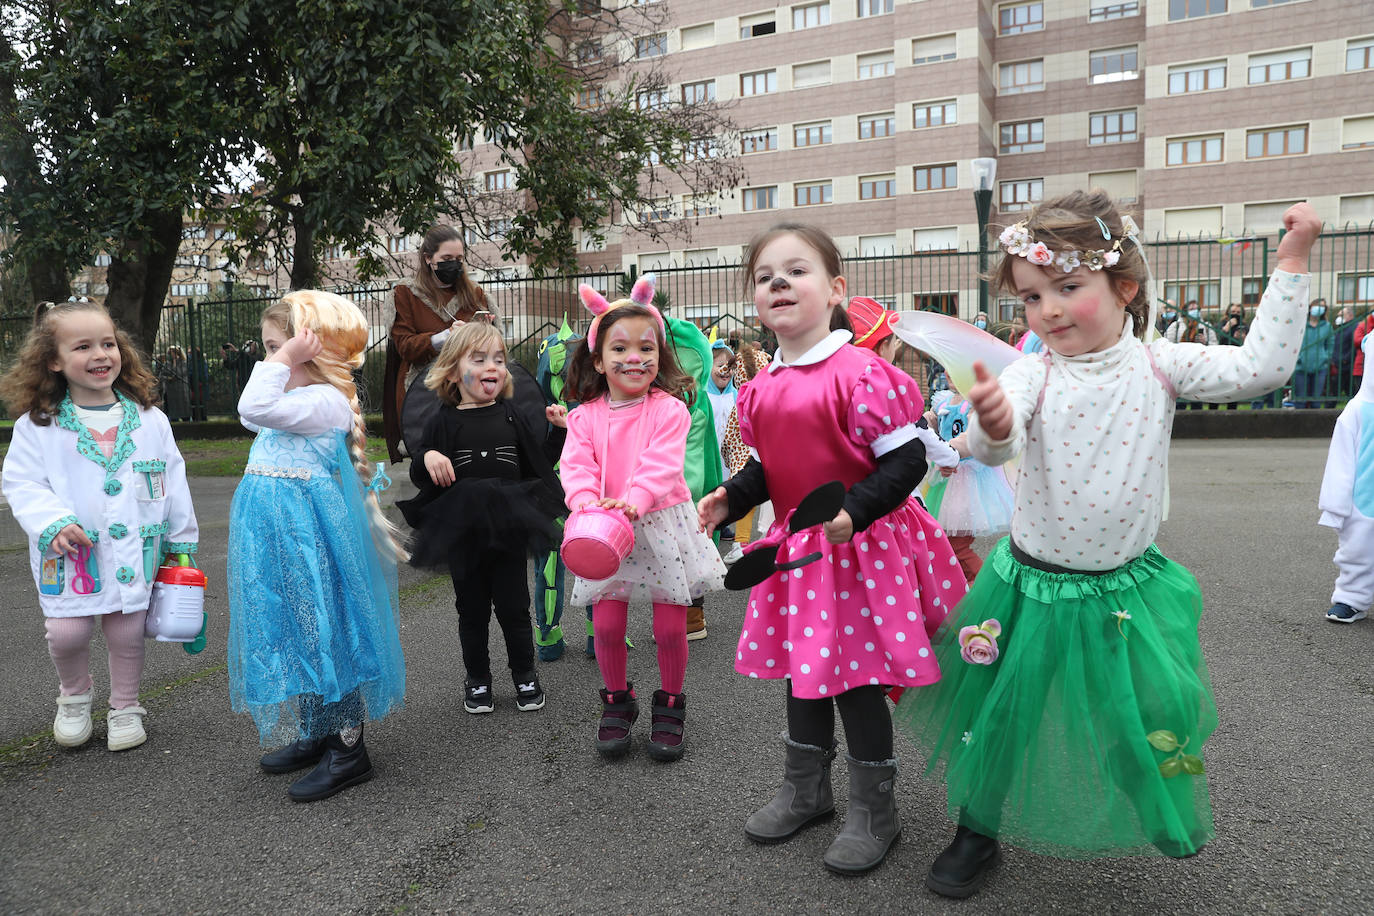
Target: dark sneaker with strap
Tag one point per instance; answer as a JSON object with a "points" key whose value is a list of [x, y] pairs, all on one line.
{"points": [[477, 697], [666, 734], [529, 696], [619, 709], [1344, 613]]}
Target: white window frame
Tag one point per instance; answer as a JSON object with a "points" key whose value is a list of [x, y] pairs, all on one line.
{"points": [[1266, 134], [1109, 11], [888, 182], [827, 193], [934, 49], [827, 133], [1035, 193], [1029, 145], [770, 82], [1185, 144], [750, 196], [949, 113], [1032, 65], [1120, 114], [890, 128], [1030, 22], [867, 8], [1126, 54], [946, 170], [1263, 66], [803, 15], [1181, 76], [875, 65]]}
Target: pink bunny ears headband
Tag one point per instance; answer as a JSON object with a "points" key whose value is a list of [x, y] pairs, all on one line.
{"points": [[641, 294]]}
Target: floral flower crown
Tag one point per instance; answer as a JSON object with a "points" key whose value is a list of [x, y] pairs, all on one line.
{"points": [[1016, 239]]}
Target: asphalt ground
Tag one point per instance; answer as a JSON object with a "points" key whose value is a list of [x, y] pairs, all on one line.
{"points": [[514, 812]]}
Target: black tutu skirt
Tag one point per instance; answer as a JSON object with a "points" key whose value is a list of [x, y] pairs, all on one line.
{"points": [[477, 516]]}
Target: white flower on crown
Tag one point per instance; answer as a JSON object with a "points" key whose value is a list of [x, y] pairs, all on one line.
{"points": [[1067, 261], [1016, 239], [1111, 257]]}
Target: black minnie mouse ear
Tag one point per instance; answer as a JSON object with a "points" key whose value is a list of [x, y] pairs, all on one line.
{"points": [[819, 506], [752, 568]]}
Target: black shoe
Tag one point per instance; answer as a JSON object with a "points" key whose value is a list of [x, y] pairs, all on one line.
{"points": [[963, 867], [295, 756], [340, 767], [477, 697], [529, 696]]}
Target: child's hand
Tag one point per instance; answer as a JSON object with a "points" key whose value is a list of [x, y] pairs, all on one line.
{"points": [[439, 466], [712, 509], [991, 403], [301, 348], [960, 444], [557, 414], [1303, 225], [630, 511], [840, 529], [950, 471], [68, 539]]}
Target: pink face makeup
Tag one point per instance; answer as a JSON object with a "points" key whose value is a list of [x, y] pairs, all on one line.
{"points": [[629, 357]]}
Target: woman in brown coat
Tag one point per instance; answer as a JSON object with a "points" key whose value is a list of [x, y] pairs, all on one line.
{"points": [[439, 299]]}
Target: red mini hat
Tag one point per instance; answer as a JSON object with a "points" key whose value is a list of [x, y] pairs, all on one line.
{"points": [[872, 323]]}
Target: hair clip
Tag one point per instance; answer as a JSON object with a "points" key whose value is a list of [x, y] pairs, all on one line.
{"points": [[1106, 233]]}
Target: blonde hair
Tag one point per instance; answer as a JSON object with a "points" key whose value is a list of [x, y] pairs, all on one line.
{"points": [[32, 387], [442, 375], [342, 332]]}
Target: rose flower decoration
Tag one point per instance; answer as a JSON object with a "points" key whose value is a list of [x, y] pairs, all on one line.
{"points": [[978, 645]]}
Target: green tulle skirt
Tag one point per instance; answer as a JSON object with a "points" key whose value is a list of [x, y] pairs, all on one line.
{"points": [[1083, 737]]}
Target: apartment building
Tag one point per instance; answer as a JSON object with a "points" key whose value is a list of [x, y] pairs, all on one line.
{"points": [[1200, 116]]}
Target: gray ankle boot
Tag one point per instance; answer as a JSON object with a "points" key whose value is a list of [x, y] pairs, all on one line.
{"points": [[803, 797], [871, 824]]}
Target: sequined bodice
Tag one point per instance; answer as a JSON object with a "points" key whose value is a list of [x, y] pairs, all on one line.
{"points": [[274, 448]]}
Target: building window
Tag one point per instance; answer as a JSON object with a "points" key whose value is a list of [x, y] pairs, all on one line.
{"points": [[1015, 18], [1359, 54], [1357, 133], [223, 235], [872, 66], [1355, 289], [934, 49], [945, 238], [877, 187], [588, 52], [1197, 77], [1205, 293], [499, 181], [1114, 11], [589, 97], [1111, 127], [398, 244], [934, 114], [102, 260], [935, 177], [874, 8], [700, 148], [588, 7], [694, 37], [651, 99], [758, 25], [184, 260], [657, 211], [1276, 141], [651, 46], [810, 16], [1120, 185], [871, 127], [761, 198], [1021, 194], [817, 134], [193, 232], [817, 73], [759, 83], [813, 193], [1191, 9], [1022, 137], [1112, 66], [874, 246], [1193, 150], [470, 236], [697, 207], [699, 93], [763, 140], [1279, 66], [1023, 76], [498, 228]]}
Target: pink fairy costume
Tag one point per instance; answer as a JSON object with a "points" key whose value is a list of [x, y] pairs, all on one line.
{"points": [[864, 612]]}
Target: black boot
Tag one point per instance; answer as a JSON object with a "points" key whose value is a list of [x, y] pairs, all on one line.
{"points": [[343, 765], [963, 867], [296, 755]]}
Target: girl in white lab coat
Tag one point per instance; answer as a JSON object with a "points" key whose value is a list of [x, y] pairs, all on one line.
{"points": [[95, 479]]}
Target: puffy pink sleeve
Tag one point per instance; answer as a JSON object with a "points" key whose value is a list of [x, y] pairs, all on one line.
{"points": [[659, 470], [884, 408], [743, 411], [578, 467]]}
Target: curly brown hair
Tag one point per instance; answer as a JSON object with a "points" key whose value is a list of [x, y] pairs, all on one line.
{"points": [[33, 387], [587, 384], [1070, 222]]}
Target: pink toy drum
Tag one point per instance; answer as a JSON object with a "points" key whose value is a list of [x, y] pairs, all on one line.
{"points": [[595, 541]]}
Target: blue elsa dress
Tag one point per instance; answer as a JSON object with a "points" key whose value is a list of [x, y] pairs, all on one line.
{"points": [[314, 645]]}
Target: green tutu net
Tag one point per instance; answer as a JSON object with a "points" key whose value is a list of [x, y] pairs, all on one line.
{"points": [[1083, 738]]}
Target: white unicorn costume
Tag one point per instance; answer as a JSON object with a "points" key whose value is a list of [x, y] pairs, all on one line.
{"points": [[1347, 500]]}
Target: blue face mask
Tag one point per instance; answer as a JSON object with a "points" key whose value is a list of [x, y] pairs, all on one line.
{"points": [[1193, 314], [1170, 315], [1318, 311], [980, 323]]}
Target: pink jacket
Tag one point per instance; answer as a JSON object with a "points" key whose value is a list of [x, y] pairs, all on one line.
{"points": [[658, 480]]}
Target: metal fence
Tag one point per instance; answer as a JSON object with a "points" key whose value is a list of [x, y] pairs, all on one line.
{"points": [[1213, 273]]}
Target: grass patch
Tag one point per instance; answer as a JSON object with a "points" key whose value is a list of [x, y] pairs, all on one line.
{"points": [[227, 457]]}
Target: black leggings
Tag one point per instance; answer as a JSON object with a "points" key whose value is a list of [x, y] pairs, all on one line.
{"points": [[867, 723], [499, 581]]}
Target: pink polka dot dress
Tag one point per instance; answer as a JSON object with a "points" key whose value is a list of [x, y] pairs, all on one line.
{"points": [[864, 612]]}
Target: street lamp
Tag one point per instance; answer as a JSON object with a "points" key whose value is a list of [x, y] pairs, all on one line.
{"points": [[984, 171]]}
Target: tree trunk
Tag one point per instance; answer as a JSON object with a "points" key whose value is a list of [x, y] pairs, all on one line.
{"points": [[139, 275], [305, 272]]}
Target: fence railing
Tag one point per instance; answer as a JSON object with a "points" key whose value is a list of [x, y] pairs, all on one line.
{"points": [[1213, 273]]}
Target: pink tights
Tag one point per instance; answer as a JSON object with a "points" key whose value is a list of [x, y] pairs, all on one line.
{"points": [[69, 644], [670, 634]]}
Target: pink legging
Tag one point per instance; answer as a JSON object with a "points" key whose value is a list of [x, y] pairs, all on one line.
{"points": [[69, 644], [670, 634]]}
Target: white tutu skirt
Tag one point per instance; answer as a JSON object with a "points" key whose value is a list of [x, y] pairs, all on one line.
{"points": [[976, 501], [672, 563]]}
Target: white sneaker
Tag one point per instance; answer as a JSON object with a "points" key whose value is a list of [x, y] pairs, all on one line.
{"points": [[72, 727], [124, 728], [733, 555]]}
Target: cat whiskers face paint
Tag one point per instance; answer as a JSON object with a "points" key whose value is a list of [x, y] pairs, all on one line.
{"points": [[629, 357]]}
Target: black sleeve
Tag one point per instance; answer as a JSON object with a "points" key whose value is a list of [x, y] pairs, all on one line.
{"points": [[897, 474], [435, 437], [745, 490], [553, 443]]}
